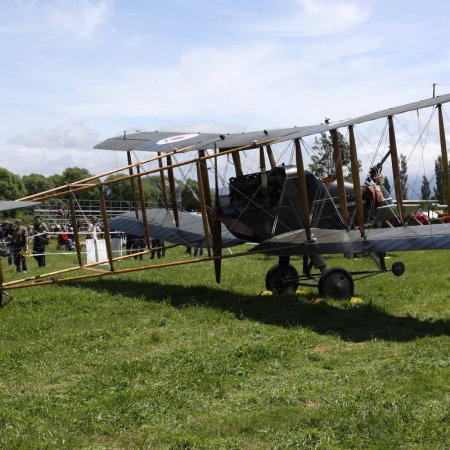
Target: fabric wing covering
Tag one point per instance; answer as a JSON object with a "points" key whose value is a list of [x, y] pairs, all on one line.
{"points": [[8, 205], [426, 237], [164, 142], [162, 226]]}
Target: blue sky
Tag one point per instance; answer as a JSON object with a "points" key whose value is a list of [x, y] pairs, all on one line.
{"points": [[74, 72]]}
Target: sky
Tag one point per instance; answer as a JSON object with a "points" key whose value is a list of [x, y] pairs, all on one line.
{"points": [[75, 72]]}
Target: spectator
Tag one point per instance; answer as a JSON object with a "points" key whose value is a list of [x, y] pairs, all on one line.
{"points": [[61, 212], [139, 246], [421, 217], [93, 229], [7, 236], [19, 246], [198, 251], [39, 230], [130, 238], [64, 240], [157, 247]]}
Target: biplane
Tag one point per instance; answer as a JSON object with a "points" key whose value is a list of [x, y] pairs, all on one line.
{"points": [[278, 207]]}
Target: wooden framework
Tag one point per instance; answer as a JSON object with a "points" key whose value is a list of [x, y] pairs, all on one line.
{"points": [[396, 170], [211, 225], [356, 181], [445, 169], [304, 204], [337, 156]]}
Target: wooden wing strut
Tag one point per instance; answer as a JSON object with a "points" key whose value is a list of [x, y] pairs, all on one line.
{"points": [[445, 171]]}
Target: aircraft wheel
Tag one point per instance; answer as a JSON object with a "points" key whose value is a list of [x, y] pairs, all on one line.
{"points": [[275, 279], [336, 282], [398, 269]]}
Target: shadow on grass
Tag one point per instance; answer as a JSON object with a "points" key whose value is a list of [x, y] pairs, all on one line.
{"points": [[356, 323]]}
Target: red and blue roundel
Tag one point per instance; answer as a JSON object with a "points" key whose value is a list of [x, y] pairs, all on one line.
{"points": [[178, 138]]}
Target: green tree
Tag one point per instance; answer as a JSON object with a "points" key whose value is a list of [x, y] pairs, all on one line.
{"points": [[56, 180], [404, 176], [425, 189], [73, 174], [322, 164], [11, 186], [122, 189], [35, 183], [189, 195], [439, 189]]}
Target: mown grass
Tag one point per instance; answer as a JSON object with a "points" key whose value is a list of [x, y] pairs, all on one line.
{"points": [[168, 359]]}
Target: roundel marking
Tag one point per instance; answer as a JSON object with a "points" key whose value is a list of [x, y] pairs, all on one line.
{"points": [[178, 138]]}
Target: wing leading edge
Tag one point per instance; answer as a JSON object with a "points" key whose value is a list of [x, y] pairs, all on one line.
{"points": [[165, 142], [429, 237]]}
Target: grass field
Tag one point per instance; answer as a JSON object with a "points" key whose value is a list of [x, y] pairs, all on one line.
{"points": [[168, 359]]}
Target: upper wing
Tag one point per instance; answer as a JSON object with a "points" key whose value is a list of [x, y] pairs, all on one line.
{"points": [[162, 226], [426, 237], [169, 141], [165, 142]]}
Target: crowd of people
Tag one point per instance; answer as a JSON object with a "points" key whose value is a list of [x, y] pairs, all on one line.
{"points": [[19, 239], [16, 236]]}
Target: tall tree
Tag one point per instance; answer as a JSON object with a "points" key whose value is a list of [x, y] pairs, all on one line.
{"points": [[11, 186], [322, 164], [72, 174], [425, 189], [35, 183], [122, 189], [404, 175], [439, 189]]}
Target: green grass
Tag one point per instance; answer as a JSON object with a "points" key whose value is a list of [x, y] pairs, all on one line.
{"points": [[168, 359]]}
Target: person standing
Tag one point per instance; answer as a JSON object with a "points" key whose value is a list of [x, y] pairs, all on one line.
{"points": [[157, 247], [19, 245], [39, 231], [93, 229], [7, 236]]}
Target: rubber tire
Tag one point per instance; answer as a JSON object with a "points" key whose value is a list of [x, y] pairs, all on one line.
{"points": [[337, 283], [398, 269], [274, 279]]}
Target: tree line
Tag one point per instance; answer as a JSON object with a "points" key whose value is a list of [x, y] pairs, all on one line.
{"points": [[13, 186]]}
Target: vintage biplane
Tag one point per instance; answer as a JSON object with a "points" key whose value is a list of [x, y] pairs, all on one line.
{"points": [[278, 206]]}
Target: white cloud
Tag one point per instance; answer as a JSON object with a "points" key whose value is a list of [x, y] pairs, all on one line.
{"points": [[79, 19], [66, 20], [50, 151], [315, 18], [74, 136]]}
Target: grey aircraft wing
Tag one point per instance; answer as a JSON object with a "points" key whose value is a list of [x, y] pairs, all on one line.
{"points": [[8, 205], [165, 141], [421, 237], [162, 226]]}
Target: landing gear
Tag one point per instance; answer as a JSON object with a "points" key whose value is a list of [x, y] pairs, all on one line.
{"points": [[282, 277], [336, 282], [333, 282]]}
